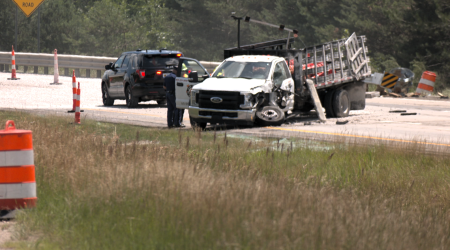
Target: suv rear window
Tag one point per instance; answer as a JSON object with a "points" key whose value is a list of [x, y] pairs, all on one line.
{"points": [[159, 61]]}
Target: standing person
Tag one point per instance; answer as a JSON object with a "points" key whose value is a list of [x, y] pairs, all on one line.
{"points": [[173, 113]]}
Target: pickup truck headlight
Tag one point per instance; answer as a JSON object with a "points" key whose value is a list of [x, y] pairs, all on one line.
{"points": [[248, 101], [194, 97]]}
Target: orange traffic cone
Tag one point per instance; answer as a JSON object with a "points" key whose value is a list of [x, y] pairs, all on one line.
{"points": [[77, 109], [13, 66], [74, 92]]}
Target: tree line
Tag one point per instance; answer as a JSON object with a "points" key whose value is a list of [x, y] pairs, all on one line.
{"points": [[408, 33]]}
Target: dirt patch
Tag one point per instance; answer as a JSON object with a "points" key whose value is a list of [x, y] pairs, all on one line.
{"points": [[6, 232]]}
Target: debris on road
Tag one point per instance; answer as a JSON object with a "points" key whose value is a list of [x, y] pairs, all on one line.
{"points": [[397, 111], [306, 123], [372, 94], [394, 94], [442, 96], [341, 122], [408, 114]]}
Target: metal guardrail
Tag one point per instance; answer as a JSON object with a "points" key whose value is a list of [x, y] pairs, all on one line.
{"points": [[76, 62]]}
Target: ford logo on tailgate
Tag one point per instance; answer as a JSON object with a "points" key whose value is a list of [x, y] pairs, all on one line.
{"points": [[216, 99]]}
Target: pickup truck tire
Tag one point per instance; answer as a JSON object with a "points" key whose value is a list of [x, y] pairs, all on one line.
{"points": [[132, 101], [270, 116], [197, 125], [107, 100], [341, 103], [161, 102], [328, 103]]}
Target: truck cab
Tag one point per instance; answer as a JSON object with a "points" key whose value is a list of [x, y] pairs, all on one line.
{"points": [[238, 87]]}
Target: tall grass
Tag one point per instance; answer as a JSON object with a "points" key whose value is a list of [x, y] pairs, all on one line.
{"points": [[105, 186]]}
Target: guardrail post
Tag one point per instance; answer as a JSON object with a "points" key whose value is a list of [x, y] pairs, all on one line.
{"points": [[66, 71], [88, 73], [77, 72], [36, 69], [99, 74], [45, 70]]}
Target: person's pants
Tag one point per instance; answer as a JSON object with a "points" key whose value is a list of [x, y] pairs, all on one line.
{"points": [[172, 111], [181, 115]]}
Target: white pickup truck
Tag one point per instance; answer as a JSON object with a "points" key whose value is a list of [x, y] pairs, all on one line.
{"points": [[265, 85]]}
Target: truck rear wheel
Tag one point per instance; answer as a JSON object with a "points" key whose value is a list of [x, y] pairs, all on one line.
{"points": [[328, 103], [270, 116], [341, 103]]}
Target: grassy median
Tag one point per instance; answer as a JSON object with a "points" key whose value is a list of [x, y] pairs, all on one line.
{"points": [[112, 186]]}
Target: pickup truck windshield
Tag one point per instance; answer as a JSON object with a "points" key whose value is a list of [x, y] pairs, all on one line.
{"points": [[248, 70]]}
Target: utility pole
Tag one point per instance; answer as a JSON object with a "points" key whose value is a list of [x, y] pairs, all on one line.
{"points": [[15, 43], [239, 28], [39, 30]]}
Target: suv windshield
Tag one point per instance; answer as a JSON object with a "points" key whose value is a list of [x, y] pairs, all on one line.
{"points": [[159, 61], [249, 70]]}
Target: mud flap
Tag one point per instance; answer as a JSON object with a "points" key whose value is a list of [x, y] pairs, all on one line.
{"points": [[315, 97]]}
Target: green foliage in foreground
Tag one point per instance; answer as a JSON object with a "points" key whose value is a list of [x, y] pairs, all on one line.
{"points": [[105, 186]]}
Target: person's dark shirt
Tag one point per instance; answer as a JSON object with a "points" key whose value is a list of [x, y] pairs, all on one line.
{"points": [[169, 81]]}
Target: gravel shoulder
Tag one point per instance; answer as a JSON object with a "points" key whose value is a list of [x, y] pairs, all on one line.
{"points": [[6, 232]]}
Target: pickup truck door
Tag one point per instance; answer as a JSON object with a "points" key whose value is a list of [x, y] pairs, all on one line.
{"points": [[182, 84]]}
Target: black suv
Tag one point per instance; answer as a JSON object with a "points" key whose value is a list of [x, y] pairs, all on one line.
{"points": [[138, 76]]}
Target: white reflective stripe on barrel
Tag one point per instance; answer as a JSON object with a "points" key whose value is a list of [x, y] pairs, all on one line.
{"points": [[77, 109], [74, 96], [18, 191], [427, 82], [13, 66], [16, 158], [74, 85], [14, 57]]}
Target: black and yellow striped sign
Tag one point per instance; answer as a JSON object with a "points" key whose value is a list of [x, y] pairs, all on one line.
{"points": [[389, 80]]}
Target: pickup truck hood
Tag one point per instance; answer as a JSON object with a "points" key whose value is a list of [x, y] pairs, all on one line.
{"points": [[230, 84]]}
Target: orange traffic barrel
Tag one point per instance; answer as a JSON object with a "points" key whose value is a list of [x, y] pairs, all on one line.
{"points": [[17, 172], [426, 83]]}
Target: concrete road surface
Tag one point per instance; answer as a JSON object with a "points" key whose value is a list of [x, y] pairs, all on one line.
{"points": [[430, 126]]}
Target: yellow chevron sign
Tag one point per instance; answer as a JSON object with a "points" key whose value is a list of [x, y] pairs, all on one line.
{"points": [[28, 6], [389, 80]]}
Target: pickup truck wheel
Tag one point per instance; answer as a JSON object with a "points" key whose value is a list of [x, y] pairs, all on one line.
{"points": [[132, 101], [107, 100], [328, 103], [161, 102], [341, 103], [270, 116], [197, 125]]}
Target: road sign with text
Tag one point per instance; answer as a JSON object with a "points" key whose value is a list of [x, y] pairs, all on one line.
{"points": [[28, 6]]}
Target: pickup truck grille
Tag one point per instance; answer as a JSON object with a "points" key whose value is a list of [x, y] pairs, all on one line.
{"points": [[230, 100]]}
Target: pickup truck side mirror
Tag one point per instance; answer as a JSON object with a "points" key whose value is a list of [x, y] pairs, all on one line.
{"points": [[193, 76], [109, 66]]}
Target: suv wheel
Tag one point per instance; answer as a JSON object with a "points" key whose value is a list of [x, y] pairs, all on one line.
{"points": [[107, 100], [132, 101]]}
